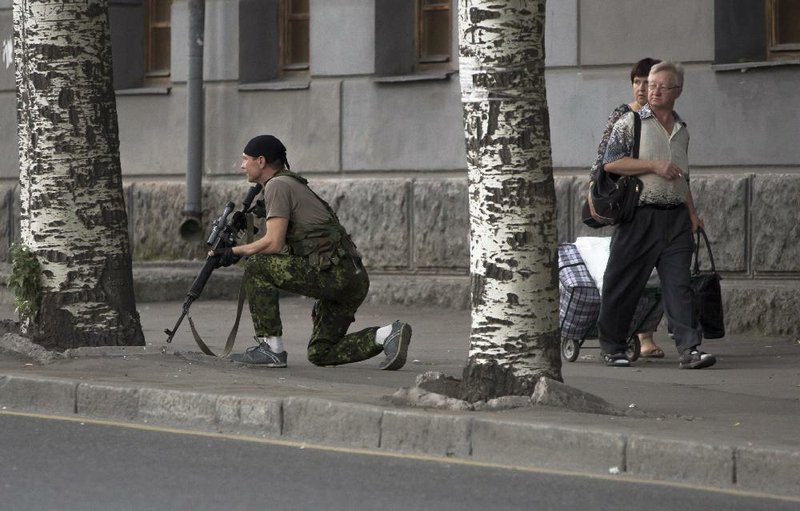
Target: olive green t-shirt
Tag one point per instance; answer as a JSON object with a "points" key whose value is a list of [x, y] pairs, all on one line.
{"points": [[286, 197]]}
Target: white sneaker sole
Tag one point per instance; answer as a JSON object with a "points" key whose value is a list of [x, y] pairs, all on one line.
{"points": [[399, 359]]}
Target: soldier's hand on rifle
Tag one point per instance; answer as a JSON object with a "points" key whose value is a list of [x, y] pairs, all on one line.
{"points": [[226, 256]]}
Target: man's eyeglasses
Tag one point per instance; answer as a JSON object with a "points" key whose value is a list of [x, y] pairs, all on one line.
{"points": [[661, 88]]}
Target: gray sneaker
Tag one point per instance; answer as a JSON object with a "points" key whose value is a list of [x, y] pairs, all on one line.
{"points": [[696, 359], [261, 356], [616, 360], [395, 346]]}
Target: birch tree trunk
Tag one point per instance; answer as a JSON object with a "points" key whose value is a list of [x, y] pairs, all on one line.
{"points": [[73, 213], [514, 335]]}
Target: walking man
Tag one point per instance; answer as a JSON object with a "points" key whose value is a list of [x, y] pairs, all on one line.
{"points": [[660, 234]]}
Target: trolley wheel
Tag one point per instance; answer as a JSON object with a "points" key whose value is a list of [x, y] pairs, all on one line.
{"points": [[634, 348], [570, 349]]}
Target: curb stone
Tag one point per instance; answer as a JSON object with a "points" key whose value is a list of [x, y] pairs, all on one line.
{"points": [[263, 416], [177, 407], [38, 394], [541, 445], [768, 470], [498, 441], [426, 433], [328, 422], [680, 461], [107, 402]]}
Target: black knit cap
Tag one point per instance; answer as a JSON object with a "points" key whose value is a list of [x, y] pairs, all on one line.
{"points": [[267, 146]]}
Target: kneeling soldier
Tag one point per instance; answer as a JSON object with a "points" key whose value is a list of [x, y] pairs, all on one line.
{"points": [[305, 250]]}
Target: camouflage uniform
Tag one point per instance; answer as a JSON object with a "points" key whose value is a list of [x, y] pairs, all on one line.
{"points": [[324, 264]]}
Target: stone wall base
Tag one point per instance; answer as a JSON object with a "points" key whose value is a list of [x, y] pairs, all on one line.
{"points": [[413, 234], [157, 282]]}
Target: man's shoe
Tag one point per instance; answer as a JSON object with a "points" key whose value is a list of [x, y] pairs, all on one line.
{"points": [[616, 360], [261, 356], [696, 359], [395, 347]]}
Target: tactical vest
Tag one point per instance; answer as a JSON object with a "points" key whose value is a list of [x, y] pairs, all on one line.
{"points": [[325, 245]]}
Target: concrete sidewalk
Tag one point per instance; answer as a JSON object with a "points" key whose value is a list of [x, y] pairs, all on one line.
{"points": [[733, 426]]}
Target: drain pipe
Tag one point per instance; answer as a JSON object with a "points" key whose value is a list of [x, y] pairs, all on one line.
{"points": [[192, 228]]}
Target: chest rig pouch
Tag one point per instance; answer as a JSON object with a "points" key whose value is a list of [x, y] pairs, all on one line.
{"points": [[325, 245]]}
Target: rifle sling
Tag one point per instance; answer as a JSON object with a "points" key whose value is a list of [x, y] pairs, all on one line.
{"points": [[234, 330]]}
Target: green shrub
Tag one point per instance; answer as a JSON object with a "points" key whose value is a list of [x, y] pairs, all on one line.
{"points": [[25, 281]]}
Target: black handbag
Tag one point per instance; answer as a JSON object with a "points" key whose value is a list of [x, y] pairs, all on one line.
{"points": [[613, 199], [707, 293]]}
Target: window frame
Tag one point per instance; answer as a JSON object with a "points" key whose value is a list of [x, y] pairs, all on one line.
{"points": [[261, 51], [775, 49], [429, 61], [287, 17], [152, 76], [741, 37]]}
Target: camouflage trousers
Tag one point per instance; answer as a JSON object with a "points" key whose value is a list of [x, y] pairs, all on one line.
{"points": [[339, 291]]}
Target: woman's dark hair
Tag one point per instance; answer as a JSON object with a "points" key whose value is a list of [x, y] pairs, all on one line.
{"points": [[642, 68]]}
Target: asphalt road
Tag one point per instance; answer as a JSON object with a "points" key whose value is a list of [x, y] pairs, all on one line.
{"points": [[49, 463]]}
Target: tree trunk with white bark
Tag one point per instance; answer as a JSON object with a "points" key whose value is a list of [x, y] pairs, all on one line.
{"points": [[73, 215], [514, 336]]}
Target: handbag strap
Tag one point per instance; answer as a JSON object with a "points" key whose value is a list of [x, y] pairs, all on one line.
{"points": [[696, 268], [637, 131]]}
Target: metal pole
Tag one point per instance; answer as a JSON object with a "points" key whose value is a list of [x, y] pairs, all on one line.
{"points": [[191, 227]]}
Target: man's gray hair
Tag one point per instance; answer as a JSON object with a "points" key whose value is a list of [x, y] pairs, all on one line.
{"points": [[673, 67]]}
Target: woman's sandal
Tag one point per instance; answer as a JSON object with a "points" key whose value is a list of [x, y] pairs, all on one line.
{"points": [[656, 352]]}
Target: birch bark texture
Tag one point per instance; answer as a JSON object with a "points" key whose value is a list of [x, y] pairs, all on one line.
{"points": [[73, 213], [514, 338]]}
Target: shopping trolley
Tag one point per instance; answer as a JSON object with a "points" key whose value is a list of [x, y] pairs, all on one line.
{"points": [[579, 306]]}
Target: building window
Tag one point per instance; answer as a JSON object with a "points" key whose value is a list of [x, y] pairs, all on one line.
{"points": [[157, 39], [295, 21], [756, 33], [434, 34], [783, 18]]}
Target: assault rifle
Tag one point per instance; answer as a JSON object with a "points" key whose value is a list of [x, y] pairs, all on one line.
{"points": [[223, 234]]}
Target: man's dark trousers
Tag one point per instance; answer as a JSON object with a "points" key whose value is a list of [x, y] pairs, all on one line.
{"points": [[660, 238]]}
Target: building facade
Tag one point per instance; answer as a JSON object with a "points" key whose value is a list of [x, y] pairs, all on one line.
{"points": [[365, 95]]}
